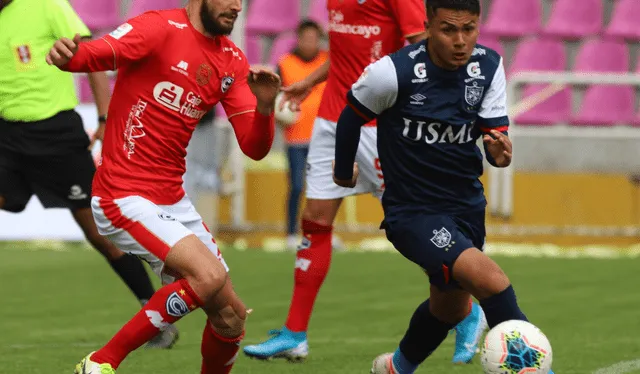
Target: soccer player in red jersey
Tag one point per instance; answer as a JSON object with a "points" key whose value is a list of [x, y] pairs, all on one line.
{"points": [[173, 67], [360, 32]]}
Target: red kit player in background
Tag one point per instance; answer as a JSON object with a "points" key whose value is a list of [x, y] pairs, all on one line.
{"points": [[173, 67], [360, 32]]}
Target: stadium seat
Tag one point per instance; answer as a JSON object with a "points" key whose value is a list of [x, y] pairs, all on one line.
{"points": [[283, 44], [575, 19], [318, 12], [542, 54], [624, 21], [272, 16], [140, 6], [513, 18], [491, 42], [605, 105], [84, 93], [98, 14], [253, 49]]}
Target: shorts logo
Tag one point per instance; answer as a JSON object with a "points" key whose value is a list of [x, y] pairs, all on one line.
{"points": [[441, 238], [176, 306], [75, 193], [166, 217]]}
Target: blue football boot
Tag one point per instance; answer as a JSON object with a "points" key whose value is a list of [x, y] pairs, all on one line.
{"points": [[283, 343], [468, 335]]}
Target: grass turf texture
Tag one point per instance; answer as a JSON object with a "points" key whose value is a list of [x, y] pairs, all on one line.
{"points": [[61, 302]]}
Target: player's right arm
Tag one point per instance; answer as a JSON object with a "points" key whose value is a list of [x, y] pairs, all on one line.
{"points": [[130, 42], [299, 91], [410, 16], [375, 92]]}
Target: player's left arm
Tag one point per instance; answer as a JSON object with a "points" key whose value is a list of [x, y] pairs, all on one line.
{"points": [[249, 106], [410, 16], [375, 92], [494, 121]]}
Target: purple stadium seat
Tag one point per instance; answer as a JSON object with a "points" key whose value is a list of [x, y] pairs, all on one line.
{"points": [[98, 14], [605, 105], [140, 6], [574, 19], [513, 18], [319, 13], [253, 49], [491, 42], [272, 16], [541, 54], [84, 89], [624, 22], [283, 44]]}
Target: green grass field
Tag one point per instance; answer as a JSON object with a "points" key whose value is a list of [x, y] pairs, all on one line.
{"points": [[60, 305]]}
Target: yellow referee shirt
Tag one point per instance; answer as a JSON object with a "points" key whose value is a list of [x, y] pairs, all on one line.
{"points": [[31, 90]]}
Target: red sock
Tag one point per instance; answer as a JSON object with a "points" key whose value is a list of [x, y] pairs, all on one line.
{"points": [[218, 353], [166, 306], [312, 266]]}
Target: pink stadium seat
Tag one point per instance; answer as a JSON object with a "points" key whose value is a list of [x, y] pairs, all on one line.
{"points": [[541, 54], [513, 18], [604, 105], [253, 49], [283, 44], [574, 19], [624, 22], [491, 42], [84, 93], [318, 12], [272, 16], [140, 6], [98, 14]]}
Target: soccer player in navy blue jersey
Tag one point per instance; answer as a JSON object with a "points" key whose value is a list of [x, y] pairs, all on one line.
{"points": [[433, 100]]}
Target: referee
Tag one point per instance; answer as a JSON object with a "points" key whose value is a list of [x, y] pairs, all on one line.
{"points": [[44, 149]]}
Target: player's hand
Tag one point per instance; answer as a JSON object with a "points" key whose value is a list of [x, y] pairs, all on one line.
{"points": [[346, 183], [500, 148], [295, 94], [265, 85], [63, 51], [97, 135]]}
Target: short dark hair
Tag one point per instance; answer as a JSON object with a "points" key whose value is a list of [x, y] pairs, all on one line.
{"points": [[309, 24], [473, 6]]}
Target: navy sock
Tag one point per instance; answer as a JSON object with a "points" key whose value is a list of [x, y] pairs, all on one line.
{"points": [[502, 307], [424, 335]]}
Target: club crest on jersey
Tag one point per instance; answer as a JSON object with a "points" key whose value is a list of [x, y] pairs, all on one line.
{"points": [[24, 54], [226, 84], [473, 94], [203, 76], [441, 238]]}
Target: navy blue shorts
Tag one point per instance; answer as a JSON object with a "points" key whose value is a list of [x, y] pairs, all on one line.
{"points": [[434, 242]]}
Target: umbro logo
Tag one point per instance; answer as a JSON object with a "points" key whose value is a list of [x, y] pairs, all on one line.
{"points": [[417, 99]]}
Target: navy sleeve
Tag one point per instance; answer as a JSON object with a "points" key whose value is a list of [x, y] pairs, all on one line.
{"points": [[347, 140]]}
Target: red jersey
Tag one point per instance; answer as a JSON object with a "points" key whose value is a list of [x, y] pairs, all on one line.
{"points": [[361, 32], [169, 76]]}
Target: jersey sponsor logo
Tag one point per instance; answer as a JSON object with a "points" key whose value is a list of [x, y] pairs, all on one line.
{"points": [[121, 31], [436, 132], [24, 54], [473, 94], [226, 84], [442, 238], [420, 70], [415, 52], [473, 69], [417, 99], [366, 31], [134, 128], [181, 68], [177, 25], [477, 51], [203, 76], [176, 306], [76, 193], [170, 96]]}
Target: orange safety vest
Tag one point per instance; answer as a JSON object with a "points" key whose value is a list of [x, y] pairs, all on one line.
{"points": [[293, 69]]}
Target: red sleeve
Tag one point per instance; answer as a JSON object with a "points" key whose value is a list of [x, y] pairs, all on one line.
{"points": [[410, 16], [254, 132], [239, 99], [130, 42]]}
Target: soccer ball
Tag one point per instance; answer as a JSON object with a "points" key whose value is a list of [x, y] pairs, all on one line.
{"points": [[285, 116], [516, 347]]}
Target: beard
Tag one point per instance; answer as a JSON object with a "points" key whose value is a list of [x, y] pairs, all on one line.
{"points": [[211, 24]]}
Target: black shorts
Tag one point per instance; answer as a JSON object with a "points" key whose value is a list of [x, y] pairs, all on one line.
{"points": [[47, 158], [434, 242]]}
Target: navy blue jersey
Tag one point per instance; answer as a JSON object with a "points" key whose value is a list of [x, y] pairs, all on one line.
{"points": [[429, 121]]}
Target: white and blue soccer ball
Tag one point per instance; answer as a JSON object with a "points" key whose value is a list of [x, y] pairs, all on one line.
{"points": [[516, 347]]}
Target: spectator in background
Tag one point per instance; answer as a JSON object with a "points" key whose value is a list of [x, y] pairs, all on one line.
{"points": [[294, 67]]}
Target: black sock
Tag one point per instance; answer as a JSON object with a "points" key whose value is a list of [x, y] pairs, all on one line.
{"points": [[424, 335], [502, 307], [133, 273]]}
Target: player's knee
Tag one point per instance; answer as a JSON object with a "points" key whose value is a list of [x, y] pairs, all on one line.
{"points": [[207, 281], [229, 320], [321, 212]]}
